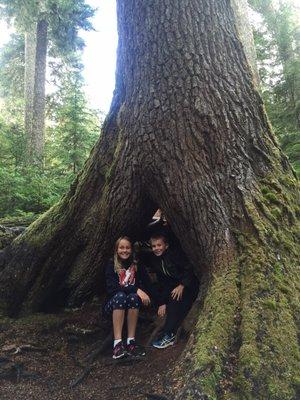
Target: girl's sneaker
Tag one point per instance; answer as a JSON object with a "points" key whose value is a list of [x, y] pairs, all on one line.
{"points": [[119, 351], [135, 350], [168, 339]]}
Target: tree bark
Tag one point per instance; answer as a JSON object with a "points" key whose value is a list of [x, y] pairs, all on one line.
{"points": [[187, 132], [35, 100]]}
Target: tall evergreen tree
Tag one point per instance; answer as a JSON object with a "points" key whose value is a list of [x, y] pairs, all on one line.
{"points": [[74, 127], [43, 21]]}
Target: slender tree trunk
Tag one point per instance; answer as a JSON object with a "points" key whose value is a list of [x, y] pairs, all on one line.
{"points": [[245, 32], [187, 132], [35, 77], [30, 53]]}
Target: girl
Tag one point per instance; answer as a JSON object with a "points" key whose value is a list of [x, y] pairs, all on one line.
{"points": [[125, 283]]}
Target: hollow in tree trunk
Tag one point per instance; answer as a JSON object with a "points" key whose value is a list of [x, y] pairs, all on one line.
{"points": [[186, 131]]}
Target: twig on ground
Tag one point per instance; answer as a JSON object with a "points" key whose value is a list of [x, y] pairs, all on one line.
{"points": [[82, 376]]}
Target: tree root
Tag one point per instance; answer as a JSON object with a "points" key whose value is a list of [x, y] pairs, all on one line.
{"points": [[81, 377], [14, 371], [100, 346]]}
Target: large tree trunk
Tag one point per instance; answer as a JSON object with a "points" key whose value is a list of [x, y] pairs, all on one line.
{"points": [[34, 92], [187, 132]]}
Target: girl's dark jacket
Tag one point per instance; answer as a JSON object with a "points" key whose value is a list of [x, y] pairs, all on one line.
{"points": [[142, 281]]}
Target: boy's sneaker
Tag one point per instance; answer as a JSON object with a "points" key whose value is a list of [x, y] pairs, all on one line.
{"points": [[119, 351], [135, 350], [168, 339]]}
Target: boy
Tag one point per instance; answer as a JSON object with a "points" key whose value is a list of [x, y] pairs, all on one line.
{"points": [[178, 287]]}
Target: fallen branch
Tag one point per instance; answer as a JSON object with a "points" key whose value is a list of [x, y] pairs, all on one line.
{"points": [[16, 349]]}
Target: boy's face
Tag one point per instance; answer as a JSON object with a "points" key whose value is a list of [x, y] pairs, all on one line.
{"points": [[159, 246]]}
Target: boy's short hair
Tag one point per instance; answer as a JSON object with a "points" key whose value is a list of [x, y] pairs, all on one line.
{"points": [[158, 236]]}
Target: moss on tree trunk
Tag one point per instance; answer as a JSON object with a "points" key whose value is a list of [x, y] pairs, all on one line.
{"points": [[186, 131]]}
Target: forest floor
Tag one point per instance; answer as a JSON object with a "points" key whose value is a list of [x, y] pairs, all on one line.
{"points": [[41, 356]]}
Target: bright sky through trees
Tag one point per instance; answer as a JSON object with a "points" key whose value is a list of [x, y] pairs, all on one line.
{"points": [[99, 55]]}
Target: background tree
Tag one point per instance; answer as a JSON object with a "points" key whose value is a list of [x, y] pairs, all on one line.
{"points": [[28, 190], [41, 21], [75, 127], [186, 131], [71, 132], [278, 42]]}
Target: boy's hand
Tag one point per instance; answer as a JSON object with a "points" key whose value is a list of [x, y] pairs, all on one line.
{"points": [[177, 292], [161, 311], [143, 296]]}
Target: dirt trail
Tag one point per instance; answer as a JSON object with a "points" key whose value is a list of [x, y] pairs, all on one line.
{"points": [[50, 353]]}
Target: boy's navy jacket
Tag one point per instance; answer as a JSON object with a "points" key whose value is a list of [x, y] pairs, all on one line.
{"points": [[172, 268], [142, 281]]}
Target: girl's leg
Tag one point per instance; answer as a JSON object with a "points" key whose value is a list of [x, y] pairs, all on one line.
{"points": [[133, 305], [132, 317], [118, 305], [118, 321]]}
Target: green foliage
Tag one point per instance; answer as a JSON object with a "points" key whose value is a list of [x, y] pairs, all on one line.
{"points": [[277, 41], [12, 137], [24, 12], [23, 189], [65, 18], [12, 68], [291, 146], [74, 127], [72, 130]]}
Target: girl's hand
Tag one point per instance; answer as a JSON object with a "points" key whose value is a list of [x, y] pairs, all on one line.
{"points": [[161, 310], [143, 296], [177, 292]]}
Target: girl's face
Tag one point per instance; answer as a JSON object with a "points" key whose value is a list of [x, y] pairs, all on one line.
{"points": [[124, 249]]}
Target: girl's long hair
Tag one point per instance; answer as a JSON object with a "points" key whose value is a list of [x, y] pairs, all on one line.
{"points": [[117, 262]]}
